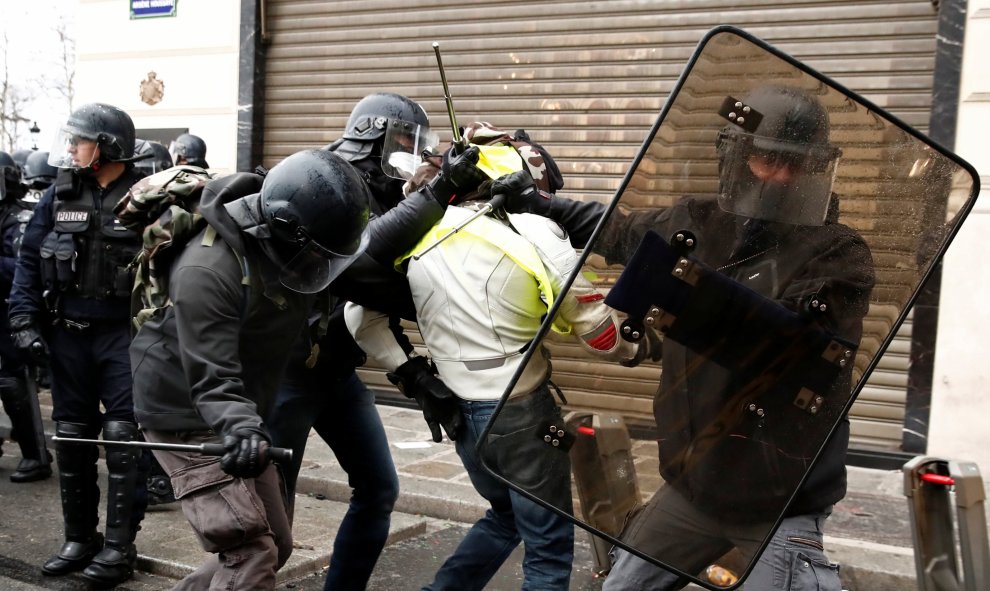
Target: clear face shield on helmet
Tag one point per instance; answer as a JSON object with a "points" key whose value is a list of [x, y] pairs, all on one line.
{"points": [[402, 152], [73, 149], [774, 180]]}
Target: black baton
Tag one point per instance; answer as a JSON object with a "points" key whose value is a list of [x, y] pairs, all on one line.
{"points": [[280, 454]]}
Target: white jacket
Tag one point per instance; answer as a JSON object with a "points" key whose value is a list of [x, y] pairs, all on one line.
{"points": [[478, 306]]}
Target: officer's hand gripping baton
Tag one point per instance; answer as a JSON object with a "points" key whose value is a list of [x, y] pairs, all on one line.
{"points": [[280, 454]]}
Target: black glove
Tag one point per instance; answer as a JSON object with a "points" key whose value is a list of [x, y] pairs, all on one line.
{"points": [[247, 453], [516, 186], [416, 379], [650, 347], [458, 176], [28, 340]]}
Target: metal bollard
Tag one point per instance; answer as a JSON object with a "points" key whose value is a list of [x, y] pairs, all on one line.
{"points": [[931, 485], [605, 476]]}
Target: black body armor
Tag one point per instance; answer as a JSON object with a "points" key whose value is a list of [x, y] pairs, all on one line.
{"points": [[88, 251]]}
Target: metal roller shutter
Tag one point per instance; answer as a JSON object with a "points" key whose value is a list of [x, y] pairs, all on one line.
{"points": [[587, 80]]}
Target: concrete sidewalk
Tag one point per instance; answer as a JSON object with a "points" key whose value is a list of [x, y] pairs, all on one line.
{"points": [[868, 533]]}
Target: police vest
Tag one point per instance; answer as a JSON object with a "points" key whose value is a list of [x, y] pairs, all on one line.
{"points": [[88, 251]]}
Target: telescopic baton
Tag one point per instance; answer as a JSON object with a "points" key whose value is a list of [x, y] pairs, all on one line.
{"points": [[458, 140], [207, 449]]}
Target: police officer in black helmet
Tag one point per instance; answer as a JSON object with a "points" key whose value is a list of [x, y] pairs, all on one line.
{"points": [[773, 239], [18, 393], [69, 306], [321, 389], [188, 149], [246, 280], [157, 157]]}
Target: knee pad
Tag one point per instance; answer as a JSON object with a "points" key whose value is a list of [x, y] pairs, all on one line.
{"points": [[119, 458]]}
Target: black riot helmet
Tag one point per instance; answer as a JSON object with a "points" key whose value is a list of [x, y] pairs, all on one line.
{"points": [[189, 149], [775, 159], [37, 173], [20, 156], [316, 208], [36, 176], [155, 157], [371, 120], [111, 128]]}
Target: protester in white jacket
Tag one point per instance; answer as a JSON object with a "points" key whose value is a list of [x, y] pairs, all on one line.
{"points": [[481, 297]]}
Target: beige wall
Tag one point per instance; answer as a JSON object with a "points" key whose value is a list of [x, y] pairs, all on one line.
{"points": [[116, 53], [961, 393]]}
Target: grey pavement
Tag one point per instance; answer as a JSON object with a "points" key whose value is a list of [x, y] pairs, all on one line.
{"points": [[868, 533]]}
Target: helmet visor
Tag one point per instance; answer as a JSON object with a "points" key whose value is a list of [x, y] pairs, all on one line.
{"points": [[314, 267], [402, 152], [73, 148], [775, 180]]}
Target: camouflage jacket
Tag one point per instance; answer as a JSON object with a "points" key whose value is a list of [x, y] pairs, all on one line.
{"points": [[164, 207]]}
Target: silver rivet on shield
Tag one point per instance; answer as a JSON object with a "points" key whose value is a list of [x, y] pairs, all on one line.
{"points": [[635, 334], [678, 272], [626, 329], [739, 105], [690, 242], [555, 443], [650, 320], [759, 412], [746, 110], [752, 407], [546, 438], [732, 115], [741, 120]]}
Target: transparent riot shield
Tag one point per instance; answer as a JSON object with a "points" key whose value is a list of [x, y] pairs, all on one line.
{"points": [[767, 241]]}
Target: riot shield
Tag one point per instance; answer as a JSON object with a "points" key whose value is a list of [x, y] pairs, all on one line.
{"points": [[768, 240]]}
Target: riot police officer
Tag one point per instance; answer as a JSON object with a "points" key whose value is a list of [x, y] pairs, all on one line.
{"points": [[156, 157], [326, 394], [18, 393], [70, 306], [188, 149]]}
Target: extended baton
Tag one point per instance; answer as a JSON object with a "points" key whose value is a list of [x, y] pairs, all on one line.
{"points": [[495, 202], [281, 454], [458, 140]]}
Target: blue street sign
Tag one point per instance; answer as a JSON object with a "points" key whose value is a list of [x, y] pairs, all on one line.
{"points": [[152, 8]]}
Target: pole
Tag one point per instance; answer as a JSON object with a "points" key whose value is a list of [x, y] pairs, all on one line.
{"points": [[207, 449], [458, 140]]}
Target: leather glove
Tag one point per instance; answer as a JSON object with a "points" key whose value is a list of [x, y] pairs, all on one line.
{"points": [[28, 340], [458, 176], [516, 186], [521, 194], [650, 347], [247, 453], [416, 379]]}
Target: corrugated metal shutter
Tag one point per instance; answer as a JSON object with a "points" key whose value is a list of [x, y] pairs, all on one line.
{"points": [[587, 80]]}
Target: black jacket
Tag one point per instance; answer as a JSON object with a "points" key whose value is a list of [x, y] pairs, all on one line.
{"points": [[214, 359], [713, 448]]}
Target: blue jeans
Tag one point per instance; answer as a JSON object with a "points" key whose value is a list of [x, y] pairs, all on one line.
{"points": [[683, 536], [344, 415], [548, 538]]}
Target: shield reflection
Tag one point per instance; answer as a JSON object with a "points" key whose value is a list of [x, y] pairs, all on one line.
{"points": [[772, 234]]}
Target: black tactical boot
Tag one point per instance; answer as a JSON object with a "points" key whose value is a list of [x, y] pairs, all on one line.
{"points": [[159, 485], [80, 501], [21, 405], [126, 502]]}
